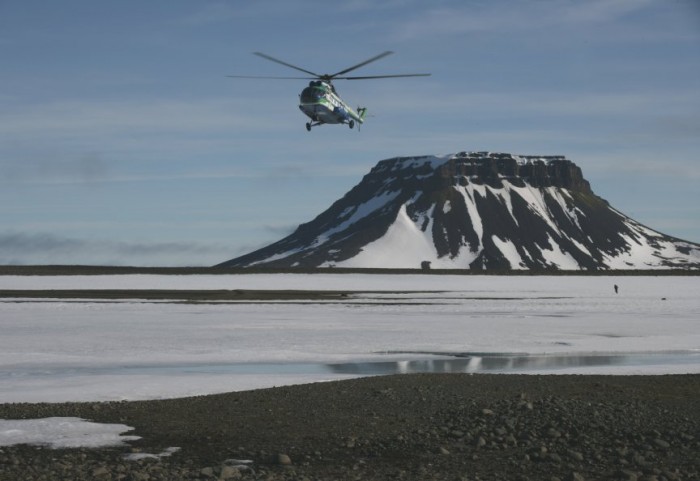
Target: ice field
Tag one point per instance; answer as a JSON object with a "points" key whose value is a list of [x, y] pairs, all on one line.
{"points": [[70, 350]]}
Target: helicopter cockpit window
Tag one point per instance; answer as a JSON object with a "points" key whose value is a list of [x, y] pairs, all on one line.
{"points": [[311, 94]]}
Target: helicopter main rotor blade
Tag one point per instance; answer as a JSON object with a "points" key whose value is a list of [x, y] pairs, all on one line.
{"points": [[273, 78], [386, 76], [273, 59], [373, 59]]}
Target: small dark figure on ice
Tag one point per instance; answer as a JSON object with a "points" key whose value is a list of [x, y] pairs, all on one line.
{"points": [[615, 288]]}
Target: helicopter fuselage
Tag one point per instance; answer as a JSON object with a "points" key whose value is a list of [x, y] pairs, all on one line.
{"points": [[320, 102]]}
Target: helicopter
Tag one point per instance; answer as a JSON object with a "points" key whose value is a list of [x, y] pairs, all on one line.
{"points": [[320, 101]]}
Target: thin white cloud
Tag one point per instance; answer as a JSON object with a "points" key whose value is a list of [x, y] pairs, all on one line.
{"points": [[544, 103], [207, 13], [509, 17], [85, 141], [43, 248], [85, 117], [642, 163], [212, 12]]}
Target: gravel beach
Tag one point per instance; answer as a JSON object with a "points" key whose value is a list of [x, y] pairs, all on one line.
{"points": [[412, 427]]}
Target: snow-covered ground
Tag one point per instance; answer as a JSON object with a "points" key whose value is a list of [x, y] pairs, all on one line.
{"points": [[62, 350]]}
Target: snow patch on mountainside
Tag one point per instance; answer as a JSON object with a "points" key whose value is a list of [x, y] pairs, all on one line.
{"points": [[468, 194], [357, 213], [432, 161], [402, 244], [642, 255], [509, 251], [557, 257]]}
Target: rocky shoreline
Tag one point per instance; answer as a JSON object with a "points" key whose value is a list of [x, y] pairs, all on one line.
{"points": [[408, 427]]}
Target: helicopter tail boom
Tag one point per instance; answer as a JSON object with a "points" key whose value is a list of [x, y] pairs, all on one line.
{"points": [[362, 111]]}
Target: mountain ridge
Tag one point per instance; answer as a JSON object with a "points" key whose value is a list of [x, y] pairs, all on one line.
{"points": [[474, 210]]}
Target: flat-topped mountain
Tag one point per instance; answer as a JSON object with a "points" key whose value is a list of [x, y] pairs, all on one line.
{"points": [[474, 210]]}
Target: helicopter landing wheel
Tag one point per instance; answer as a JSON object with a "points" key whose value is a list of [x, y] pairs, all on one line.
{"points": [[351, 124], [308, 126]]}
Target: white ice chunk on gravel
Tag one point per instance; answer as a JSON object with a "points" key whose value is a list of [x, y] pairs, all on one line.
{"points": [[62, 432], [139, 456]]}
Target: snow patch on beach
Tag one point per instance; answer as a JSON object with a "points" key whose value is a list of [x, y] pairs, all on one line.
{"points": [[62, 432]]}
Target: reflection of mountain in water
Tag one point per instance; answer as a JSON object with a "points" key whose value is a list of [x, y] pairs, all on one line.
{"points": [[479, 364], [463, 363]]}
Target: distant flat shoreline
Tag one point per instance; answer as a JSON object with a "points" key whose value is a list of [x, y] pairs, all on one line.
{"points": [[217, 295], [79, 270]]}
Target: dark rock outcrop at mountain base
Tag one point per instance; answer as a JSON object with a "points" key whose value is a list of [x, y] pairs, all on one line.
{"points": [[475, 210]]}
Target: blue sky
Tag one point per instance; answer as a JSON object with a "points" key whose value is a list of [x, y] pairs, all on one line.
{"points": [[123, 142]]}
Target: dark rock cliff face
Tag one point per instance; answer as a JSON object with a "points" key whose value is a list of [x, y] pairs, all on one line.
{"points": [[493, 169], [475, 210]]}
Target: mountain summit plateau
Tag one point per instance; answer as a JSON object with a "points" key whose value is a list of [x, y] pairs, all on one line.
{"points": [[474, 210]]}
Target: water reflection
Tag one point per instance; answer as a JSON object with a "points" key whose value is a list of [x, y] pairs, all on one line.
{"points": [[506, 363], [457, 363]]}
